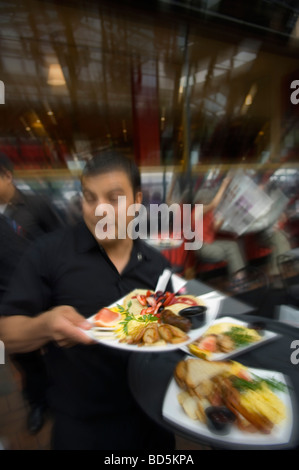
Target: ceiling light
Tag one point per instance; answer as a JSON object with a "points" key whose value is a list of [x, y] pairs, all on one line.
{"points": [[248, 100], [55, 76]]}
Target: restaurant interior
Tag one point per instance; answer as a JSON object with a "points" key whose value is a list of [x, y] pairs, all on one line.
{"points": [[191, 90]]}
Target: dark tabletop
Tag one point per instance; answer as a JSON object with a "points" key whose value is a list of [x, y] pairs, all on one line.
{"points": [[150, 374]]}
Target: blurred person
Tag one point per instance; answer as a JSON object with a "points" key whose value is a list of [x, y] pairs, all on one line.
{"points": [[214, 250], [23, 218], [74, 209], [276, 237], [270, 228], [62, 280], [12, 246], [278, 241]]}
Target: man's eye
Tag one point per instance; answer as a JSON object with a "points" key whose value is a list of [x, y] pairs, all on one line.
{"points": [[113, 199], [89, 198]]}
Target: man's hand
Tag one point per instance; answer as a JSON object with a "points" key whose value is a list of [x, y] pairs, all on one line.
{"points": [[63, 324]]}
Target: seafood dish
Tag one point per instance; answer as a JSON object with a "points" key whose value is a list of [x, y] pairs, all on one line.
{"points": [[146, 318], [227, 337]]}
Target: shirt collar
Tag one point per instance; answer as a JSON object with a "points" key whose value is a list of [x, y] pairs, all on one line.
{"points": [[85, 241]]}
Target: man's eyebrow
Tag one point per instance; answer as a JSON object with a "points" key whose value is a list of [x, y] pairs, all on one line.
{"points": [[117, 189]]}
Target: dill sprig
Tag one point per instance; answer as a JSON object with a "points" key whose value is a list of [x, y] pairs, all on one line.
{"points": [[239, 336], [257, 383]]}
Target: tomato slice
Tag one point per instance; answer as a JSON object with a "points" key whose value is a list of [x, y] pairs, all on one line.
{"points": [[141, 299], [156, 309], [169, 299], [151, 301], [245, 375]]}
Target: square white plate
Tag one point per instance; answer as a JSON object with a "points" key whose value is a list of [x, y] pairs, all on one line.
{"points": [[265, 337], [281, 435]]}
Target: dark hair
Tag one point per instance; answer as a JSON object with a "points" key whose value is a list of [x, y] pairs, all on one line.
{"points": [[5, 164], [111, 160]]}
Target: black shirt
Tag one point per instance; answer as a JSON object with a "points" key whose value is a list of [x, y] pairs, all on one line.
{"points": [[69, 267]]}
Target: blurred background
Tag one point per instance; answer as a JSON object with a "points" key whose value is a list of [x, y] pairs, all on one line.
{"points": [[185, 87]]}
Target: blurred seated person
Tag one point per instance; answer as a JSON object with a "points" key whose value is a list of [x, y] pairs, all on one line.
{"points": [[278, 241], [270, 229], [213, 250]]}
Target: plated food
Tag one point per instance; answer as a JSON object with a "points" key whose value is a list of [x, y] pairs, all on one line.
{"points": [[225, 394], [230, 406], [145, 318], [227, 337]]}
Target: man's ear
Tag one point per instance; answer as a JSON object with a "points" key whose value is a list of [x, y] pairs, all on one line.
{"points": [[8, 176], [138, 197]]}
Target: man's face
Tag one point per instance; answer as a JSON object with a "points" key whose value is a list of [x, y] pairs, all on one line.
{"points": [[101, 192], [5, 187]]}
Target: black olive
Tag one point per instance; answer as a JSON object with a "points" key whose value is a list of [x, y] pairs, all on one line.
{"points": [[219, 419], [158, 294]]}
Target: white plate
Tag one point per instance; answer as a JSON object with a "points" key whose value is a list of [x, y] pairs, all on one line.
{"points": [[108, 337], [281, 435], [266, 336]]}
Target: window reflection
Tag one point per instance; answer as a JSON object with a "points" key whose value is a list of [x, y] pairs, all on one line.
{"points": [[82, 76]]}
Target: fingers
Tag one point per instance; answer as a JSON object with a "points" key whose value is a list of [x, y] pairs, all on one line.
{"points": [[66, 326]]}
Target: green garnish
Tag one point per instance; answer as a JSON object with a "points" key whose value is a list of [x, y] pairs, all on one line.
{"points": [[257, 383], [129, 317], [243, 385], [274, 384], [239, 336]]}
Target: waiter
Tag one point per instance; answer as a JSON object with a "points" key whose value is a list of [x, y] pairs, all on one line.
{"points": [[65, 278], [23, 218]]}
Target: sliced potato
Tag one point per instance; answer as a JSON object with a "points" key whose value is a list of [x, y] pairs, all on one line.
{"points": [[190, 407], [182, 396]]}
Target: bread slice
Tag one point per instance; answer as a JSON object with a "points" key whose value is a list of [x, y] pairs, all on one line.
{"points": [[180, 374], [193, 372]]}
